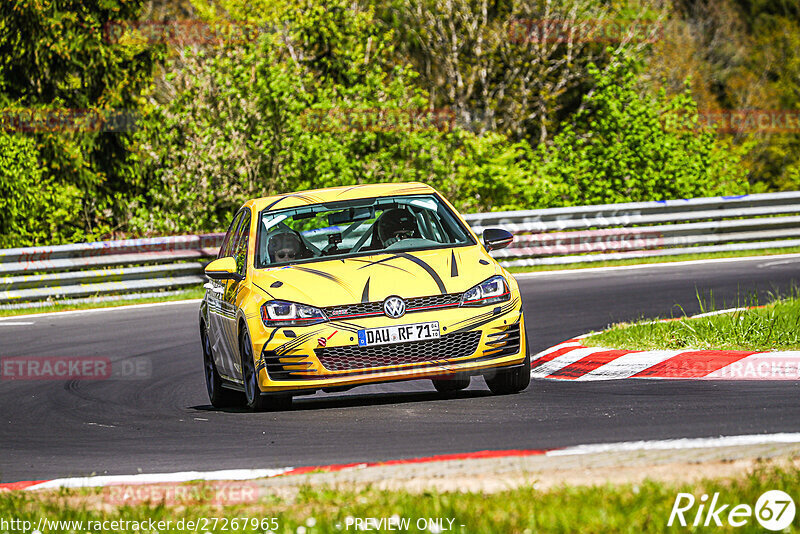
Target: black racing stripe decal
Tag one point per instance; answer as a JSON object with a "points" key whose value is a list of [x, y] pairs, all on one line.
{"points": [[370, 263], [296, 342], [416, 188], [482, 319], [271, 335], [348, 189], [323, 274], [427, 268], [264, 290], [293, 195], [453, 265], [354, 328], [365, 294]]}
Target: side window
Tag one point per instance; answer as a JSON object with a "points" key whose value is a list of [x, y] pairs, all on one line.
{"points": [[225, 248], [240, 247]]}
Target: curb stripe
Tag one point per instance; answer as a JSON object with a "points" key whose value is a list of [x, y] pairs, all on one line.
{"points": [[762, 366], [588, 364], [15, 486], [573, 355], [628, 365], [570, 360], [553, 353], [426, 459], [693, 364]]}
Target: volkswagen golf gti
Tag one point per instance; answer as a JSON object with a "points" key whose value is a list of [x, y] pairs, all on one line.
{"points": [[336, 288]]}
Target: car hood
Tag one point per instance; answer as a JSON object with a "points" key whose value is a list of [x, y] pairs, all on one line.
{"points": [[373, 278]]}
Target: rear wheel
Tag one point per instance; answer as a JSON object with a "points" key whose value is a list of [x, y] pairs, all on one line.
{"points": [[451, 385], [506, 381], [254, 400], [218, 395]]}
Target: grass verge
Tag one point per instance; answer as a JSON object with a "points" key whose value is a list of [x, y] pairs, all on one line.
{"points": [[775, 325], [658, 259], [643, 507], [196, 293]]}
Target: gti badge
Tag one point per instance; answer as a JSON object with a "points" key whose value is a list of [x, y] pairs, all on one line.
{"points": [[394, 307]]}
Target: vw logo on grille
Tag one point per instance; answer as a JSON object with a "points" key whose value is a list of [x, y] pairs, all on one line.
{"points": [[394, 307]]}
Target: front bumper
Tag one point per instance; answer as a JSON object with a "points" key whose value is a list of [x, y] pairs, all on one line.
{"points": [[327, 355]]}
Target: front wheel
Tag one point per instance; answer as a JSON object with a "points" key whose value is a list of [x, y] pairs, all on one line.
{"points": [[506, 381], [451, 385], [254, 400], [218, 395]]}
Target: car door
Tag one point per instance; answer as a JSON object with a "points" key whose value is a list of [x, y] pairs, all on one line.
{"points": [[217, 307], [229, 302]]}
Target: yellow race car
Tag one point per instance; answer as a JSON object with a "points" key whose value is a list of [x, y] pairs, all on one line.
{"points": [[336, 288]]}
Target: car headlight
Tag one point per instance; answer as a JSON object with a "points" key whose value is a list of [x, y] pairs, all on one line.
{"points": [[491, 291], [282, 313]]}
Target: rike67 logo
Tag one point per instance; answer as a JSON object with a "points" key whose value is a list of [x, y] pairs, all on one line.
{"points": [[774, 510]]}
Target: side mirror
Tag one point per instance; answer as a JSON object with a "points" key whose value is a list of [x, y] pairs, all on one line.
{"points": [[223, 269], [496, 238]]}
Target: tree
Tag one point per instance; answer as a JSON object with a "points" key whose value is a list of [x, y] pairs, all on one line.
{"points": [[56, 61], [517, 68], [626, 146]]}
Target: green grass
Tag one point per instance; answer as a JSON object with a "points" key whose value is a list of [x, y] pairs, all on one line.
{"points": [[658, 259], [773, 326], [196, 293], [620, 508]]}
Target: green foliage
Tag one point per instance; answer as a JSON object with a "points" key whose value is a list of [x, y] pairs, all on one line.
{"points": [[32, 210], [316, 104], [627, 146], [55, 56], [331, 93]]}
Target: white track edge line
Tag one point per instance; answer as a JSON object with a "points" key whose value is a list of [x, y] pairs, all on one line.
{"points": [[156, 478], [677, 444], [94, 310]]}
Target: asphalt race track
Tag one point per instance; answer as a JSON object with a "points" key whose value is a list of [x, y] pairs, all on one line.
{"points": [[164, 423]]}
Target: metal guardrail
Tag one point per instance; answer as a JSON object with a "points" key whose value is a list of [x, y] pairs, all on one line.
{"points": [[131, 266], [584, 234], [38, 275]]}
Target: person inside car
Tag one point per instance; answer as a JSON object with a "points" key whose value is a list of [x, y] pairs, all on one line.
{"points": [[285, 247], [392, 226]]}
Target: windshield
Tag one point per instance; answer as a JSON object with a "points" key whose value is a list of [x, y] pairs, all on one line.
{"points": [[357, 227]]}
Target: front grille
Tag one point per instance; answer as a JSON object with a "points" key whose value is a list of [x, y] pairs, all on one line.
{"points": [[355, 357], [369, 309]]}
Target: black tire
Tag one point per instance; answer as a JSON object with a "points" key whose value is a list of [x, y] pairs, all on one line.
{"points": [[219, 396], [253, 399], [514, 380], [451, 385]]}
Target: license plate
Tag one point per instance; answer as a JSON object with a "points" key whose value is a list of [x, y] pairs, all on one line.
{"points": [[398, 334]]}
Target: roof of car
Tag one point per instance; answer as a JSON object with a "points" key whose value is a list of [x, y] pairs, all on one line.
{"points": [[332, 194]]}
